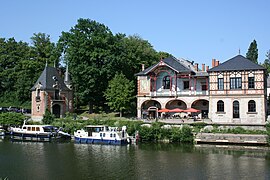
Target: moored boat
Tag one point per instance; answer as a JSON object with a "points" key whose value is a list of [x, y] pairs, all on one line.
{"points": [[2, 131], [38, 133], [100, 134]]}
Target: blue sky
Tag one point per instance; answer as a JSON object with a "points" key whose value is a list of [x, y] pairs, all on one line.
{"points": [[197, 30]]}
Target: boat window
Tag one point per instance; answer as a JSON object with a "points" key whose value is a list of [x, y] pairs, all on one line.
{"points": [[104, 134], [114, 135], [100, 134], [37, 129], [33, 128], [111, 135], [24, 127], [28, 128]]}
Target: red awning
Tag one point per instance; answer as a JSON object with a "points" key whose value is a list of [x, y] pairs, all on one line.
{"points": [[191, 110], [176, 110], [164, 110]]}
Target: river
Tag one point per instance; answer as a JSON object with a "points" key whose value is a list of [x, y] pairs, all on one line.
{"points": [[34, 161]]}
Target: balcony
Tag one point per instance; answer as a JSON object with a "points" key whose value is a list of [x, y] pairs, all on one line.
{"points": [[168, 93]]}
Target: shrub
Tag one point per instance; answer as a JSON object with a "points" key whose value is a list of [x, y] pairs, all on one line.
{"points": [[11, 118]]}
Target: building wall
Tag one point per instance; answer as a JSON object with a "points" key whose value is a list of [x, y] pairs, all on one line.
{"points": [[242, 95]]}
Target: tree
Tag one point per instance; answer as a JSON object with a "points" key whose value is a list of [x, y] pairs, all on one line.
{"points": [[252, 53], [266, 62], [87, 50], [119, 93]]}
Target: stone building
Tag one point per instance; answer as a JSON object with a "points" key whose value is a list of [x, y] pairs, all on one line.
{"points": [[230, 92], [237, 92], [53, 93]]}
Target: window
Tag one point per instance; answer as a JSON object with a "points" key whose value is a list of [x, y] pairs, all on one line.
{"points": [[56, 94], [236, 83], [251, 106], [166, 82], [186, 84], [236, 109], [251, 84], [204, 87], [220, 83], [220, 106]]}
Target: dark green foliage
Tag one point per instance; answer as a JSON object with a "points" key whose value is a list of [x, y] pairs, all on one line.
{"points": [[11, 118], [48, 117], [252, 53], [268, 132], [266, 62]]}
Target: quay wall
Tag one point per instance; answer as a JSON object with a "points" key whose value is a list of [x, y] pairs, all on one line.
{"points": [[221, 138]]}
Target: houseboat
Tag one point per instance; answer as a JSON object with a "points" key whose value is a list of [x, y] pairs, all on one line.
{"points": [[100, 134], [38, 133]]}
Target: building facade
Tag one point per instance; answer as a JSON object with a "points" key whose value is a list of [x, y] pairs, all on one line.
{"points": [[231, 92], [172, 83], [53, 93]]}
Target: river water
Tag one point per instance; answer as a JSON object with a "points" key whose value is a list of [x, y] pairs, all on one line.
{"points": [[34, 161]]}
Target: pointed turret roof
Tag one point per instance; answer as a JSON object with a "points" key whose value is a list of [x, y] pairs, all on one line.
{"points": [[48, 78], [237, 63]]}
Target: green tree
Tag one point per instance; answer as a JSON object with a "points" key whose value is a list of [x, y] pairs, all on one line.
{"points": [[119, 93], [266, 62], [87, 50], [252, 53]]}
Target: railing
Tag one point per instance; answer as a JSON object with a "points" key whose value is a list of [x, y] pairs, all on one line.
{"points": [[178, 93]]}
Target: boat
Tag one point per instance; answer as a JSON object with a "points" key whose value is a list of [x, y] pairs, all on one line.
{"points": [[2, 131], [101, 134], [38, 133]]}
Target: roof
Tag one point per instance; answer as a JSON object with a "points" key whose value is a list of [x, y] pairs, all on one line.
{"points": [[237, 63], [48, 79], [172, 62]]}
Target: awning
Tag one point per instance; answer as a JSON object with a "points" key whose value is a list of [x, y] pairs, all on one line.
{"points": [[191, 110], [164, 110], [176, 110]]}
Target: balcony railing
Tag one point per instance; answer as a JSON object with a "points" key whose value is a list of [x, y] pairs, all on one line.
{"points": [[178, 93]]}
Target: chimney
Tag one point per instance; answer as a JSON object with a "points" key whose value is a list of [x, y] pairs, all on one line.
{"points": [[217, 62], [213, 62], [196, 66], [207, 68], [142, 67], [203, 67]]}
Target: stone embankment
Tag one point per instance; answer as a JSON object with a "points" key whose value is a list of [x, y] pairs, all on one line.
{"points": [[219, 138]]}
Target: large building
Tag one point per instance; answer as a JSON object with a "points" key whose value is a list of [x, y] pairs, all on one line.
{"points": [[53, 93], [230, 92]]}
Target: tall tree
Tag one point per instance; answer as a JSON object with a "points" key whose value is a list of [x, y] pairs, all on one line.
{"points": [[87, 50], [119, 93], [252, 53]]}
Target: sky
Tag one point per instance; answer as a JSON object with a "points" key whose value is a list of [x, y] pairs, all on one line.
{"points": [[197, 30]]}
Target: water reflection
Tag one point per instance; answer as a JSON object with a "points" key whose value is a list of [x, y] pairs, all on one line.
{"points": [[144, 161]]}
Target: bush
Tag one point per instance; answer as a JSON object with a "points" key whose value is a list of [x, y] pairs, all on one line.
{"points": [[48, 117], [11, 118]]}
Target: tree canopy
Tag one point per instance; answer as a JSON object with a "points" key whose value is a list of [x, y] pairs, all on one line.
{"points": [[119, 93], [252, 53]]}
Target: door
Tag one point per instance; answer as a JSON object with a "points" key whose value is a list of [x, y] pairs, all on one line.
{"points": [[56, 110]]}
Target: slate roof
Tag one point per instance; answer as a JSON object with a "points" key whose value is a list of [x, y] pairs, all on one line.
{"points": [[237, 63], [172, 62], [47, 81]]}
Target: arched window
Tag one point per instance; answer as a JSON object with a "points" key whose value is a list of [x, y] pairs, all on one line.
{"points": [[220, 106], [236, 109], [166, 82], [251, 106]]}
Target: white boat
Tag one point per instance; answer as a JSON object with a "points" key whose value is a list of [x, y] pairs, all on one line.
{"points": [[38, 133], [2, 131], [100, 134]]}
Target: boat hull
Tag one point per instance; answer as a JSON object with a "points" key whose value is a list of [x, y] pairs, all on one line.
{"points": [[100, 141], [36, 137]]}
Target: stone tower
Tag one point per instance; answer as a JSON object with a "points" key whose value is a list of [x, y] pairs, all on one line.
{"points": [[53, 93]]}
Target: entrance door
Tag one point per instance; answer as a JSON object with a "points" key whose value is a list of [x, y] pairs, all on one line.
{"points": [[56, 110]]}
